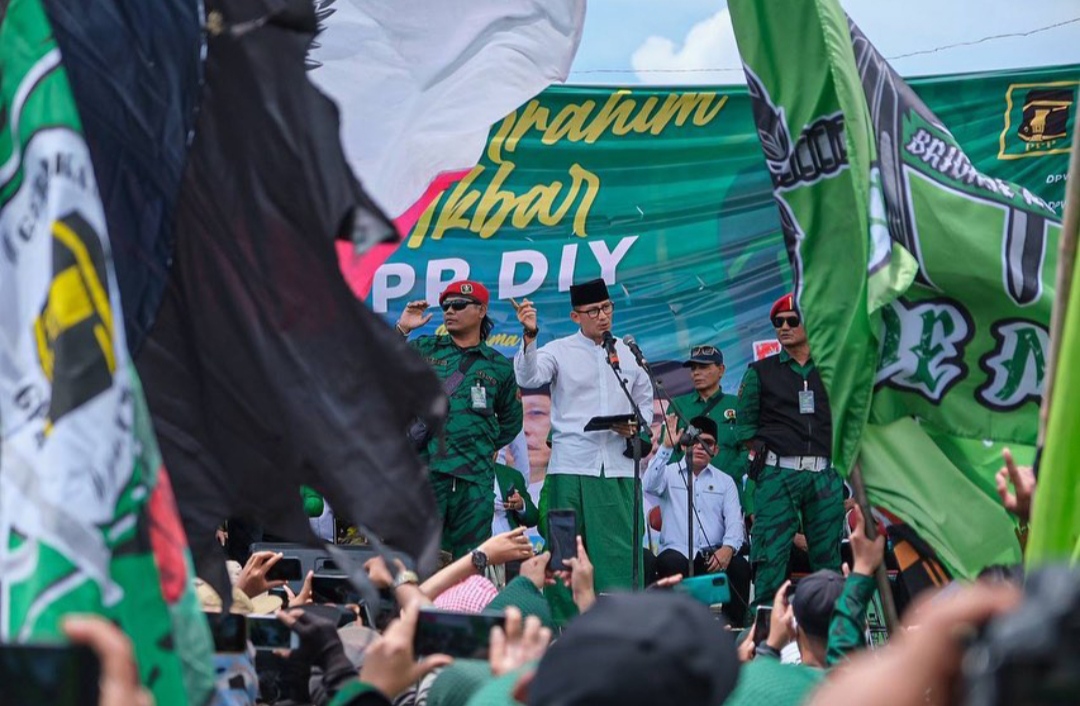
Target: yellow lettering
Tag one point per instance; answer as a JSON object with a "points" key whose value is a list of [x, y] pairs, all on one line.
{"points": [[416, 238], [494, 197], [495, 146], [681, 106], [592, 182], [459, 201], [570, 122], [534, 115]]}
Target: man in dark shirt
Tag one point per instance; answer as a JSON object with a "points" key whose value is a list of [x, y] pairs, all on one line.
{"points": [[784, 416]]}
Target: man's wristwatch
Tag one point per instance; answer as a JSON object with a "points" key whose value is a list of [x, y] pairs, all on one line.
{"points": [[479, 561], [405, 577], [764, 650], [531, 332]]}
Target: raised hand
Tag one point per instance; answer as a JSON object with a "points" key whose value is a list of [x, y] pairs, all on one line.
{"points": [[389, 663], [526, 313], [867, 554], [522, 642], [252, 579], [507, 546], [414, 317], [1022, 478]]}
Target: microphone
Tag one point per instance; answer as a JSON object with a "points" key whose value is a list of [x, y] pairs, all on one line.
{"points": [[608, 342], [633, 346], [690, 436]]}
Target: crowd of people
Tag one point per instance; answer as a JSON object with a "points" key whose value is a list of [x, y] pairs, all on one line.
{"points": [[742, 486]]}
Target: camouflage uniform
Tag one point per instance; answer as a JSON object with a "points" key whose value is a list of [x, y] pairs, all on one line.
{"points": [[731, 453], [785, 499], [479, 424], [847, 629]]}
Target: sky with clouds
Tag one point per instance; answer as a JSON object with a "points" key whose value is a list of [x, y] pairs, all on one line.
{"points": [[678, 42]]}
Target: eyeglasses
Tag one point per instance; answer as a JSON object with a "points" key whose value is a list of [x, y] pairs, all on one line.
{"points": [[703, 351], [456, 305], [594, 313], [791, 321]]}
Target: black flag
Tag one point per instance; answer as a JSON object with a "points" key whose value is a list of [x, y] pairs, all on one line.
{"points": [[263, 371]]}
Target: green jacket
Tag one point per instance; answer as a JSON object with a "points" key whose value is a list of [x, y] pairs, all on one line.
{"points": [[508, 478], [731, 455], [485, 410], [847, 627]]}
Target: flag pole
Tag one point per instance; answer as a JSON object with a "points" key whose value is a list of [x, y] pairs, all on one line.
{"points": [[1063, 281], [888, 605]]}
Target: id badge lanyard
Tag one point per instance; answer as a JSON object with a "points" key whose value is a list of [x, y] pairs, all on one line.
{"points": [[806, 399]]}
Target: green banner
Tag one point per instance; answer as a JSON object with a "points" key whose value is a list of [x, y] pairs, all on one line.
{"points": [[924, 276], [664, 193], [88, 523]]}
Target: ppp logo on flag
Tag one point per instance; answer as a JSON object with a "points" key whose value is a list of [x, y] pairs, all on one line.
{"points": [[1039, 119]]}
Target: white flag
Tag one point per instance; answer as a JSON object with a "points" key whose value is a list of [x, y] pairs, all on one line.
{"points": [[420, 83]]}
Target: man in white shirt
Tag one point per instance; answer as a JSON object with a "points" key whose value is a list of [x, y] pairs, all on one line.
{"points": [[588, 471], [719, 532]]}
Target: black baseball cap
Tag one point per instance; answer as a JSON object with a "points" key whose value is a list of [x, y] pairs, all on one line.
{"points": [[814, 600], [639, 649], [704, 355]]}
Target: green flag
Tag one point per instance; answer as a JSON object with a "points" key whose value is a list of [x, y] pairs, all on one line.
{"points": [[1055, 517], [925, 285], [87, 519]]}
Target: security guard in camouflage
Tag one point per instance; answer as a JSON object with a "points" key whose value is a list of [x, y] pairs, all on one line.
{"points": [[485, 411], [706, 365], [784, 416]]}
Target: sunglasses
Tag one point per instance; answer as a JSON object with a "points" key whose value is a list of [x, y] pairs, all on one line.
{"points": [[456, 305], [792, 321], [594, 313], [702, 351]]}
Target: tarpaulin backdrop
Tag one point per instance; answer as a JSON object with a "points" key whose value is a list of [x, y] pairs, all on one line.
{"points": [[664, 192]]}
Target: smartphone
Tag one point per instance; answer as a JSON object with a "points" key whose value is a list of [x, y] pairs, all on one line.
{"points": [[57, 675], [266, 632], [762, 622], [322, 565], [710, 589], [287, 568], [464, 635], [333, 588], [229, 631], [562, 537]]}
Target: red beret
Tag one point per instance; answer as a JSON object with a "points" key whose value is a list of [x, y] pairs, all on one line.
{"points": [[784, 303], [466, 288]]}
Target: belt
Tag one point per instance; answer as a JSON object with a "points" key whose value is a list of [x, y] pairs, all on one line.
{"points": [[798, 463]]}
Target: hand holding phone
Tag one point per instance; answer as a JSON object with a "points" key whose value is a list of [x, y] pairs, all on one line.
{"points": [[762, 622], [266, 632], [57, 675], [286, 569], [229, 631], [465, 635], [562, 537], [709, 589]]}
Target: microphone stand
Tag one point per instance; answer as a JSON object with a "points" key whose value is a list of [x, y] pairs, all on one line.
{"points": [[695, 436], [643, 427]]}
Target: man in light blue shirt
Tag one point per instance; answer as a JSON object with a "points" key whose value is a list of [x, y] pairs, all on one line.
{"points": [[719, 532]]}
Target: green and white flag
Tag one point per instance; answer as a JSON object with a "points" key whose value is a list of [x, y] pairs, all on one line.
{"points": [[926, 285], [87, 519]]}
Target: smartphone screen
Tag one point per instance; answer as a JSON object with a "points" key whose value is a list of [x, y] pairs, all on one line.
{"points": [[266, 632], [709, 589], [333, 588], [287, 568], [229, 631], [762, 621], [562, 537], [58, 675], [464, 635]]}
